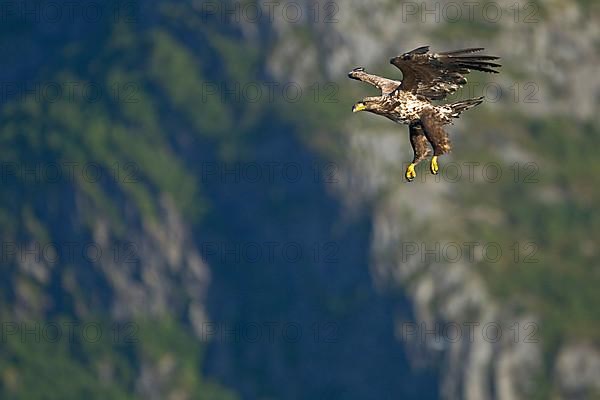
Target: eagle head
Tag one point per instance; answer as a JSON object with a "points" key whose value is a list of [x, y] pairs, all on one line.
{"points": [[369, 104], [360, 106]]}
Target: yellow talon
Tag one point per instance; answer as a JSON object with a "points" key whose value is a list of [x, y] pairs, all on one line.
{"points": [[411, 174], [434, 165]]}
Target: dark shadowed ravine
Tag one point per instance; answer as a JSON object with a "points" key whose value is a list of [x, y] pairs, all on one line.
{"points": [[294, 311]]}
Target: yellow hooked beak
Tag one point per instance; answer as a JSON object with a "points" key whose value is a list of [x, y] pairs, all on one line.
{"points": [[359, 107]]}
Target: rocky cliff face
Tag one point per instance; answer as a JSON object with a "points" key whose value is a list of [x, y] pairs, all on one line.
{"points": [[450, 291], [420, 320]]}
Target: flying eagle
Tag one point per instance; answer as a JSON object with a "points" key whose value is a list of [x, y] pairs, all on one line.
{"points": [[425, 76]]}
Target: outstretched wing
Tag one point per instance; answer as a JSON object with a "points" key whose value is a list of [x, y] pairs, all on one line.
{"points": [[436, 75], [386, 86]]}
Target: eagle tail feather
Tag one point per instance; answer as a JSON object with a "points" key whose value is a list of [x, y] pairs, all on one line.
{"points": [[462, 51], [463, 105]]}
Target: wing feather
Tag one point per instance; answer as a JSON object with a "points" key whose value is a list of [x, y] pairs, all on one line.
{"points": [[386, 86], [436, 75]]}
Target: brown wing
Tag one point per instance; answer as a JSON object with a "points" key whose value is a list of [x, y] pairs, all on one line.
{"points": [[386, 86], [419, 143], [436, 75]]}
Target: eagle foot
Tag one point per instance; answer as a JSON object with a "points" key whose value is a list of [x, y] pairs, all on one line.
{"points": [[411, 174], [434, 167]]}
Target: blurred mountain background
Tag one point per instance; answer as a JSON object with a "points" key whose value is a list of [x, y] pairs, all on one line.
{"points": [[189, 210]]}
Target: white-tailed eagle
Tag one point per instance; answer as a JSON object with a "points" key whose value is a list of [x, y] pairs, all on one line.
{"points": [[425, 77]]}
